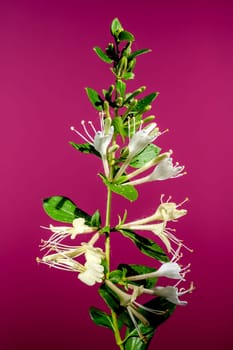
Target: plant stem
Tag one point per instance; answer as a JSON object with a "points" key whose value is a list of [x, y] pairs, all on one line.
{"points": [[107, 224], [116, 331], [107, 252]]}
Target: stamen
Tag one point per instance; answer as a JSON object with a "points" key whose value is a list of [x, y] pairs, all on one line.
{"points": [[183, 291], [86, 131], [185, 200], [134, 125], [157, 312], [161, 198], [101, 114], [134, 322], [79, 133], [54, 239], [129, 128], [162, 132], [177, 256], [92, 126], [140, 127]]}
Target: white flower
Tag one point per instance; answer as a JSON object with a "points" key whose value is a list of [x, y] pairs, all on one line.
{"points": [[166, 170], [63, 257], [94, 271], [101, 138], [172, 294], [169, 269], [168, 211], [142, 138], [163, 171], [165, 212], [62, 232]]}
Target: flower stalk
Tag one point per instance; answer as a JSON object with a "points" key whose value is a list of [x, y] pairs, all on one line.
{"points": [[124, 142]]}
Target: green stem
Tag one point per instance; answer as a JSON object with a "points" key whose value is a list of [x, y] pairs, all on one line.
{"points": [[116, 331], [107, 252], [107, 224]]}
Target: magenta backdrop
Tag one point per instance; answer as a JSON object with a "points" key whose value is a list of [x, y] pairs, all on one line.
{"points": [[46, 61]]}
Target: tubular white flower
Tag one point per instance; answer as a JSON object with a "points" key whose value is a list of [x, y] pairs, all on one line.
{"points": [[147, 166], [61, 232], [160, 230], [168, 211], [169, 269], [163, 171], [141, 139], [166, 170], [171, 293], [101, 139], [165, 212], [64, 259]]}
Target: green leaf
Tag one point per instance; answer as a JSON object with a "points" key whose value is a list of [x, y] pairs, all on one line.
{"points": [[124, 35], [110, 298], [63, 209], [94, 98], [102, 55], [131, 96], [120, 86], [116, 27], [128, 75], [138, 52], [146, 245], [133, 270], [126, 191], [85, 148], [96, 219], [100, 317], [149, 153], [144, 102], [116, 276]]}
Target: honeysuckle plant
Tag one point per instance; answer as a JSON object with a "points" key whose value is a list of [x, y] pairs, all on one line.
{"points": [[124, 141]]}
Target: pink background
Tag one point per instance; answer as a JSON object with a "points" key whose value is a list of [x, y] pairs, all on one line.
{"points": [[46, 61]]}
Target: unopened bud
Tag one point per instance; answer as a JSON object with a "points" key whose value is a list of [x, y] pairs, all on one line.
{"points": [[106, 109], [131, 65], [149, 119], [113, 148], [119, 101], [122, 66]]}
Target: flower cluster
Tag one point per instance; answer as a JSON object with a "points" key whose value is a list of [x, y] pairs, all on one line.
{"points": [[124, 142], [157, 224], [64, 257], [136, 310]]}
